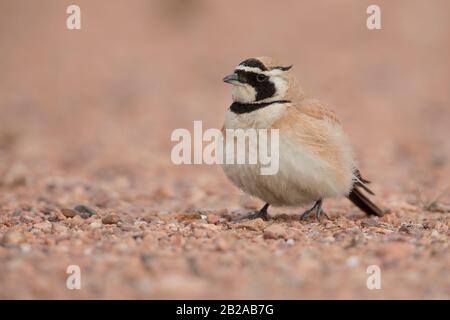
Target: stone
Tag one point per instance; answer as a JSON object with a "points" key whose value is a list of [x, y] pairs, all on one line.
{"points": [[43, 226], [85, 211], [255, 224], [409, 228], [212, 218], [60, 228], [275, 231], [369, 223], [111, 219], [12, 237], [69, 213], [95, 225], [75, 221], [188, 216], [128, 227], [435, 234], [352, 261], [150, 217]]}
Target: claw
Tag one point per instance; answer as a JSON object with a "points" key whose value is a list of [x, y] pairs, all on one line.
{"points": [[305, 215], [263, 214], [317, 207]]}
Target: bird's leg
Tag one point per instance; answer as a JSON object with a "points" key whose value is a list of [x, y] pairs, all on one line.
{"points": [[263, 214], [316, 207]]}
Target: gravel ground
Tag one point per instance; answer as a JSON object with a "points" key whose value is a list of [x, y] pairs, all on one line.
{"points": [[130, 252], [85, 171]]}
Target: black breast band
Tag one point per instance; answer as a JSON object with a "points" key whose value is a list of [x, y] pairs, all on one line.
{"points": [[240, 108]]}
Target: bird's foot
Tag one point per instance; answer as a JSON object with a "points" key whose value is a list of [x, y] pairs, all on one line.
{"points": [[263, 214], [317, 208]]}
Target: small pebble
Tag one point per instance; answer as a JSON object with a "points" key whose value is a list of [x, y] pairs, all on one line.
{"points": [[12, 237], [255, 225], [213, 218], [60, 228], [110, 219], [76, 221], [69, 213], [275, 231], [188, 216], [95, 225], [290, 242], [435, 234], [352, 261], [409, 228], [43, 226], [128, 227], [369, 223], [85, 211]]}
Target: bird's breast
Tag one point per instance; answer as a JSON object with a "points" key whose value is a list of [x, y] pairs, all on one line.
{"points": [[261, 118], [314, 158]]}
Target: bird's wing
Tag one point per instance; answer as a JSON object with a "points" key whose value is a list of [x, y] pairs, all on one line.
{"points": [[313, 127], [315, 133], [311, 123], [316, 109]]}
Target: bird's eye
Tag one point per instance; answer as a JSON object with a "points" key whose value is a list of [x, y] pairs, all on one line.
{"points": [[261, 77]]}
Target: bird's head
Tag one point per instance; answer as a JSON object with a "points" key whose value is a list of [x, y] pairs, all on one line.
{"points": [[259, 80]]}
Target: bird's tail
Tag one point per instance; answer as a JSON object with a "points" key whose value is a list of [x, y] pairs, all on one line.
{"points": [[360, 200], [364, 203]]}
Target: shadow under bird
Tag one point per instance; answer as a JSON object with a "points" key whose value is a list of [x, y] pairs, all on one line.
{"points": [[316, 160]]}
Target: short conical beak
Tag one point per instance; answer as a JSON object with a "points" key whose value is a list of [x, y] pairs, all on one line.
{"points": [[231, 78]]}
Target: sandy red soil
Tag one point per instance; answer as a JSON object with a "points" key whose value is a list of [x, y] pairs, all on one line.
{"points": [[86, 118]]}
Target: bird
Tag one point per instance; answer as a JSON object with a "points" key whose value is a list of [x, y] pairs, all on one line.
{"points": [[316, 159]]}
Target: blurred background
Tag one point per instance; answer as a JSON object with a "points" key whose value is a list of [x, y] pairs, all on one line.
{"points": [[98, 105]]}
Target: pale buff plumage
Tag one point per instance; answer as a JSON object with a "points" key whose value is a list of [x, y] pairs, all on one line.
{"points": [[316, 160]]}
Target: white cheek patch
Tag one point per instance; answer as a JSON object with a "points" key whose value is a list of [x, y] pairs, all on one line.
{"points": [[281, 86], [243, 93]]}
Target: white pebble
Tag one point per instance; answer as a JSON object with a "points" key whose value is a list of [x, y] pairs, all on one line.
{"points": [[435, 233], [352, 261]]}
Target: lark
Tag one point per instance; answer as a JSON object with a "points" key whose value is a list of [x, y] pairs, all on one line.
{"points": [[316, 160]]}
